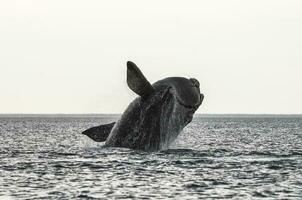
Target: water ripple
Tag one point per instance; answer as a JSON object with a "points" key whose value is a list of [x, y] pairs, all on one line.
{"points": [[223, 158]]}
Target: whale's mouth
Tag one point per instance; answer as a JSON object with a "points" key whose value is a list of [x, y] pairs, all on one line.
{"points": [[190, 107]]}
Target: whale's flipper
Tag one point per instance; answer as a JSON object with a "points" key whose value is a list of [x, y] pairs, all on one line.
{"points": [[99, 133], [137, 81]]}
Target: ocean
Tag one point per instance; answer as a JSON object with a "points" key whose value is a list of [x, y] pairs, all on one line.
{"points": [[215, 157]]}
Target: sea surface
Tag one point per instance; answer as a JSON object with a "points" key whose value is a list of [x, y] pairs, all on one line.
{"points": [[216, 157]]}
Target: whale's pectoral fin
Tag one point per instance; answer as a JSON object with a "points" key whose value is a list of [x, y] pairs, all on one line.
{"points": [[99, 133], [137, 81]]}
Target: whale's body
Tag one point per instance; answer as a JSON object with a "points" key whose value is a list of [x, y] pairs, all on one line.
{"points": [[155, 118]]}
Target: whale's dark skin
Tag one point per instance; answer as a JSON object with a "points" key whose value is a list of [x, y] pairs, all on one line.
{"points": [[155, 118]]}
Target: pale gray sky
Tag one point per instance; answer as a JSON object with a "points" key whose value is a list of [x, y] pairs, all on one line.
{"points": [[69, 56]]}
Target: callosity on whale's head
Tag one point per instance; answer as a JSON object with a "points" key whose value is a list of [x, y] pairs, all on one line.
{"points": [[155, 118]]}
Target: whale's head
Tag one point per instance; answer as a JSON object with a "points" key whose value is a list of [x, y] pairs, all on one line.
{"points": [[164, 107], [184, 93]]}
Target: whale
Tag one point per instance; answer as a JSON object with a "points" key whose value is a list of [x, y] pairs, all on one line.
{"points": [[155, 118]]}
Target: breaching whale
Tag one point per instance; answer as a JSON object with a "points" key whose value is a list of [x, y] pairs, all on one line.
{"points": [[156, 117]]}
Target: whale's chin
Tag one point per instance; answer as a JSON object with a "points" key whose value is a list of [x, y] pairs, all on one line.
{"points": [[187, 110]]}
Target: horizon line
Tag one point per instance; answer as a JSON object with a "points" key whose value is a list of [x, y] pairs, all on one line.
{"points": [[122, 113]]}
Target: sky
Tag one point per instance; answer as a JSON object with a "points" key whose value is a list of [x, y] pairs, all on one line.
{"points": [[69, 56]]}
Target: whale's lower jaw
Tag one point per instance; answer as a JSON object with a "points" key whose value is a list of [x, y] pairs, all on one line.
{"points": [[154, 134], [172, 126], [150, 126]]}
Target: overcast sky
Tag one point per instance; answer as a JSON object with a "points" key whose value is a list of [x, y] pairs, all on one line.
{"points": [[69, 56]]}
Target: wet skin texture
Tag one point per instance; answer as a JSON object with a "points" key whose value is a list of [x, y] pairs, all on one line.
{"points": [[155, 118]]}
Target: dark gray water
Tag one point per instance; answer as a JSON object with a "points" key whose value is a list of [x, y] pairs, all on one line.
{"points": [[215, 157]]}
